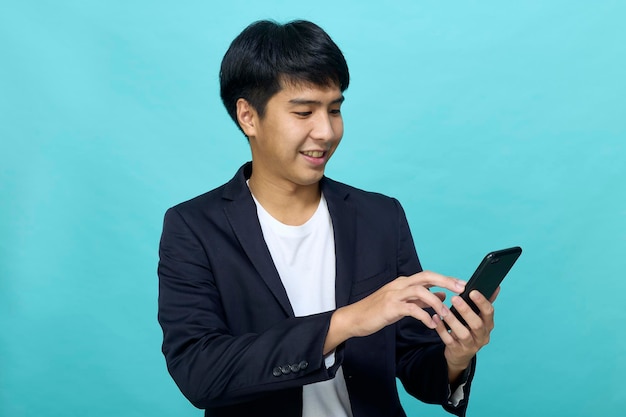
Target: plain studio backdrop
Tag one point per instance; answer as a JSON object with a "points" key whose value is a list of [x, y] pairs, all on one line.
{"points": [[494, 123]]}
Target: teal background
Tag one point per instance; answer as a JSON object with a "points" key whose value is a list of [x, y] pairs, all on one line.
{"points": [[495, 124]]}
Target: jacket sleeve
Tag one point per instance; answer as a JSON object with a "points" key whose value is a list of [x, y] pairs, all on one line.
{"points": [[420, 362], [211, 366]]}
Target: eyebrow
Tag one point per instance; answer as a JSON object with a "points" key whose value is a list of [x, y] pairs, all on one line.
{"points": [[302, 101]]}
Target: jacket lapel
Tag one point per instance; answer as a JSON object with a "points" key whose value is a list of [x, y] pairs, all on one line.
{"points": [[242, 215], [343, 215]]}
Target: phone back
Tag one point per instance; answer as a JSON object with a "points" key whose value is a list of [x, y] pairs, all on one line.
{"points": [[492, 271]]}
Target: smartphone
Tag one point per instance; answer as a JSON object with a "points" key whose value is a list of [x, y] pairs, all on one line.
{"points": [[488, 276]]}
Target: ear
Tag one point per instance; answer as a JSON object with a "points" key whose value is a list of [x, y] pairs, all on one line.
{"points": [[247, 117]]}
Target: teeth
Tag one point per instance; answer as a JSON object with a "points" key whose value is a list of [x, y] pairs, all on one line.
{"points": [[314, 154]]}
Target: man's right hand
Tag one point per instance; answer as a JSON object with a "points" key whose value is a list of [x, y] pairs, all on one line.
{"points": [[402, 297]]}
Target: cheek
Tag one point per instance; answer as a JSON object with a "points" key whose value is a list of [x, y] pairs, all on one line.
{"points": [[337, 141], [338, 128]]}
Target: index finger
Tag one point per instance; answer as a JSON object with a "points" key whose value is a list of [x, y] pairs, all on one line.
{"points": [[430, 279]]}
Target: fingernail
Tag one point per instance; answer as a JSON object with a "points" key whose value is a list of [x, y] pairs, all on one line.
{"points": [[456, 301], [460, 284], [444, 311], [474, 295]]}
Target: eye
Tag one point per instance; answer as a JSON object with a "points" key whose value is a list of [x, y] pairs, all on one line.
{"points": [[303, 113], [335, 111]]}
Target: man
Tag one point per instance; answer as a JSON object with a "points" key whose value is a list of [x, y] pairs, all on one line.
{"points": [[284, 293]]}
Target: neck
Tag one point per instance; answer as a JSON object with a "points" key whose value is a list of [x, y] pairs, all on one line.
{"points": [[290, 204]]}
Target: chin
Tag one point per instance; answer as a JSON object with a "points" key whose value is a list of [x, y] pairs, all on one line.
{"points": [[311, 180], [308, 175]]}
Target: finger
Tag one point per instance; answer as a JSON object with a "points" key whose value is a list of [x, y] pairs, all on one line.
{"points": [[455, 327], [475, 322], [423, 298], [462, 331], [485, 307], [441, 295], [430, 279], [418, 313], [443, 333], [495, 295]]}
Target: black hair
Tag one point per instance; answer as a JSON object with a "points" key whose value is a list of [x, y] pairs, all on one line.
{"points": [[267, 54]]}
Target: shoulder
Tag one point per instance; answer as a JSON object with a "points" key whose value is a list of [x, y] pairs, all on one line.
{"points": [[202, 202], [214, 201], [196, 214], [361, 198]]}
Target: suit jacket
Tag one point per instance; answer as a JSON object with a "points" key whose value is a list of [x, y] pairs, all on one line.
{"points": [[230, 338]]}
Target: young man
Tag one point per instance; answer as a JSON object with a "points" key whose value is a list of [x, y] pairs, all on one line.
{"points": [[284, 293]]}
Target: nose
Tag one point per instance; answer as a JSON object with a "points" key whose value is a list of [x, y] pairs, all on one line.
{"points": [[326, 127]]}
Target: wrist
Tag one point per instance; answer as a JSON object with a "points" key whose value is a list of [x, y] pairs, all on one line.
{"points": [[457, 362], [339, 330], [456, 369]]}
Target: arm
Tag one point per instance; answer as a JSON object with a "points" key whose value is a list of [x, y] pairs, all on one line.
{"points": [[408, 305], [448, 360], [421, 361], [211, 365]]}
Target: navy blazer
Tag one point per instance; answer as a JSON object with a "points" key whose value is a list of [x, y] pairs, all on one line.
{"points": [[230, 338]]}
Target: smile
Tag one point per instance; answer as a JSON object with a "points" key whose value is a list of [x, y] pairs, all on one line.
{"points": [[313, 154]]}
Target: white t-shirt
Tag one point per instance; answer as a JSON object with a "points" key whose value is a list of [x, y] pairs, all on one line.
{"points": [[305, 259]]}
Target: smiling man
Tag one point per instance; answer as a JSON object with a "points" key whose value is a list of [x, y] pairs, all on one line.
{"points": [[285, 293]]}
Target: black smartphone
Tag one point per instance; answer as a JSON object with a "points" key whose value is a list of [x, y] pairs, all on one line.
{"points": [[488, 276]]}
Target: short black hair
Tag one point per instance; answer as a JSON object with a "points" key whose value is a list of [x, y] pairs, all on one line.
{"points": [[267, 54]]}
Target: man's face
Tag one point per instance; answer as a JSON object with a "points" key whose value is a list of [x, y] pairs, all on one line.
{"points": [[296, 137]]}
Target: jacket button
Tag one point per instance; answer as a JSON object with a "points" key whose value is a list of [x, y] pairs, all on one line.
{"points": [[276, 371], [285, 369], [303, 365], [295, 367]]}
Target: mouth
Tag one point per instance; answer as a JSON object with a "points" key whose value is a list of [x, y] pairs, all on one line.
{"points": [[313, 154]]}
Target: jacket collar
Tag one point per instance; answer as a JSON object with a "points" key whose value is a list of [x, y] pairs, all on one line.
{"points": [[242, 215]]}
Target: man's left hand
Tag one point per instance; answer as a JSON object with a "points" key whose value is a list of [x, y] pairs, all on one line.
{"points": [[463, 342]]}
